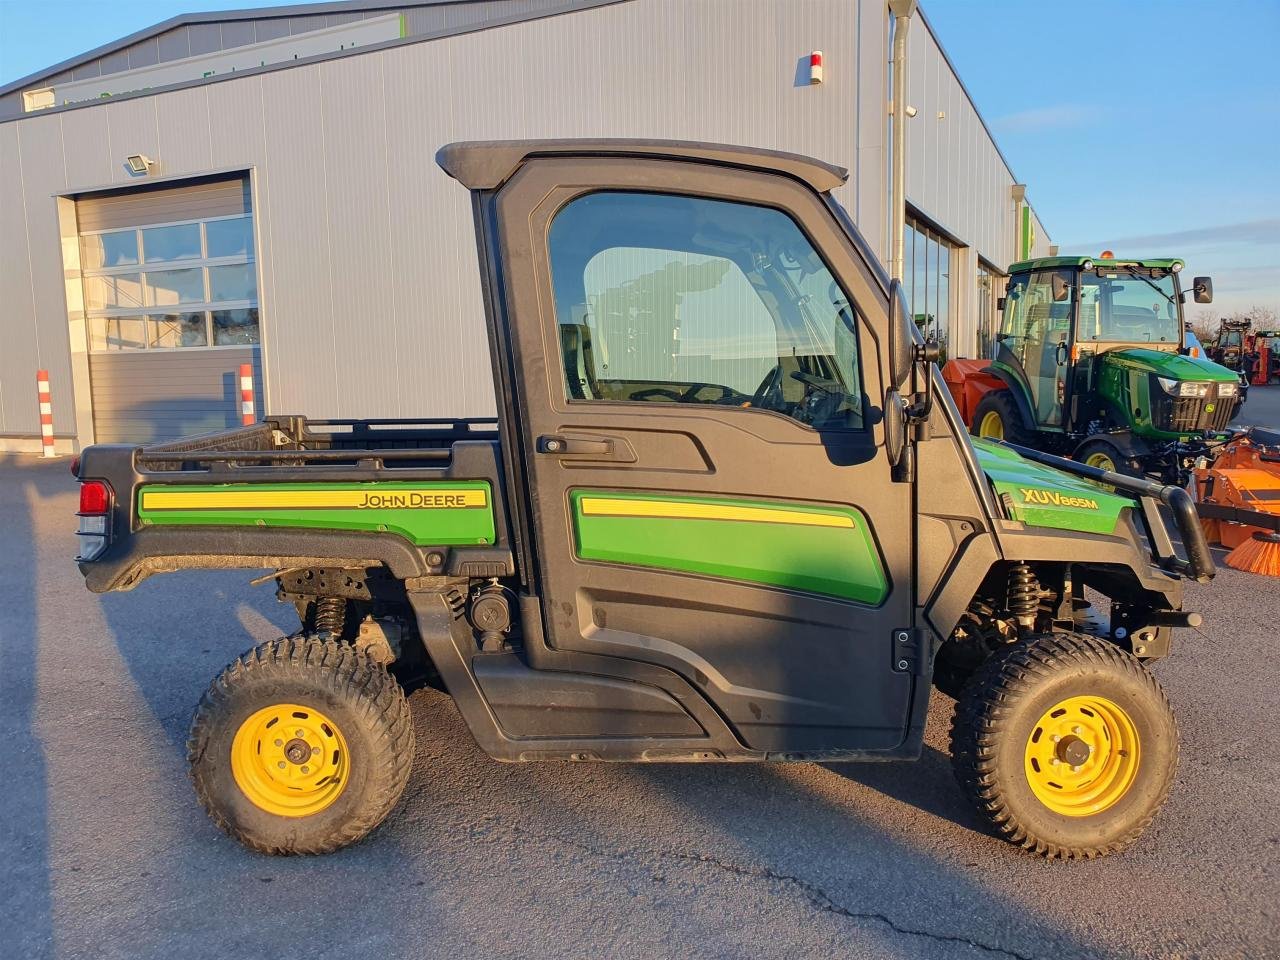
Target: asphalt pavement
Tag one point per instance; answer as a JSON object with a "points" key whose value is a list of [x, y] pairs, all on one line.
{"points": [[104, 852]]}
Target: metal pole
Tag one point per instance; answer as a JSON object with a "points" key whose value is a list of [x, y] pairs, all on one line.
{"points": [[902, 11]]}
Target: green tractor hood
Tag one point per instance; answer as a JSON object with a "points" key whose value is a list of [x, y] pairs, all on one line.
{"points": [[1041, 496], [1175, 366]]}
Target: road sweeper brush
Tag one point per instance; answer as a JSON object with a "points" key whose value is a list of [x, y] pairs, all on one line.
{"points": [[1238, 499]]}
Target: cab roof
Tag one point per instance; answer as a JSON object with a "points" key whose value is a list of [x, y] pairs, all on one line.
{"points": [[484, 165], [1048, 263]]}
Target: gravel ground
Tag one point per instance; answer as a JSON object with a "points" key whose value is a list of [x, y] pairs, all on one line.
{"points": [[106, 854]]}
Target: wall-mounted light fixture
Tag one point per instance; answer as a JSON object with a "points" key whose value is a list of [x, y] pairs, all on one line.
{"points": [[815, 67], [140, 164]]}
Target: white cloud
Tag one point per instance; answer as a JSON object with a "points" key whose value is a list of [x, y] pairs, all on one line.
{"points": [[1044, 118], [1250, 231]]}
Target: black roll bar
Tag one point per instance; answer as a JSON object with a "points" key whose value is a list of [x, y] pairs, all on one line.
{"points": [[1199, 564]]}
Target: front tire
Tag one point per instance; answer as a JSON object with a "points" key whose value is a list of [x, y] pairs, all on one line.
{"points": [[1066, 745], [1107, 456], [301, 745]]}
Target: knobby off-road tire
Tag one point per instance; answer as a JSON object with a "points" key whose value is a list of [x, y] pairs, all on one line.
{"points": [[1006, 718], [336, 769]]}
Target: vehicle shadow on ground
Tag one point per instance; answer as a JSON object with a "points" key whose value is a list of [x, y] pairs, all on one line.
{"points": [[927, 784], [177, 631], [26, 920]]}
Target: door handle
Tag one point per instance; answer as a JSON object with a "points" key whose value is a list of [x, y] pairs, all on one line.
{"points": [[557, 445]]}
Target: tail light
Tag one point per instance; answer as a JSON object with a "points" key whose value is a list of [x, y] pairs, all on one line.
{"points": [[95, 518]]}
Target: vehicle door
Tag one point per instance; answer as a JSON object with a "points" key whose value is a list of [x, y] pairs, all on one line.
{"points": [[696, 372], [1035, 339]]}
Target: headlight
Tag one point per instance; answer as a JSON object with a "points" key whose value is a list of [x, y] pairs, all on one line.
{"points": [[1228, 389], [1183, 388]]}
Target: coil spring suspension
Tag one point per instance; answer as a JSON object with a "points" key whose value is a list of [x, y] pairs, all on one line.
{"points": [[1024, 594], [330, 617]]}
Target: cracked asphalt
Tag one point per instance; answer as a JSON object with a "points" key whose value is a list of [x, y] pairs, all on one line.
{"points": [[104, 852]]}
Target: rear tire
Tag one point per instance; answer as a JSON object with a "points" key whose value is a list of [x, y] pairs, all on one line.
{"points": [[1066, 746], [340, 760], [997, 418]]}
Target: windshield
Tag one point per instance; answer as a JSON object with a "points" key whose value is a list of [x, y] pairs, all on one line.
{"points": [[1130, 304]]}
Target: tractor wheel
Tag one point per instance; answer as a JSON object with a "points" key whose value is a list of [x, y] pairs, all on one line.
{"points": [[997, 418], [1066, 745], [300, 746], [1107, 456]]}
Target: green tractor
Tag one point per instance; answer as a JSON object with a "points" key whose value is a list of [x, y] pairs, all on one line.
{"points": [[1089, 362]]}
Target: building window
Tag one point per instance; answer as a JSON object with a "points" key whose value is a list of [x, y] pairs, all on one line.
{"points": [[171, 286], [926, 280], [990, 287], [689, 300]]}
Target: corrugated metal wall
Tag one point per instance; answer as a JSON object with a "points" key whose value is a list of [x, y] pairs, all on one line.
{"points": [[370, 291], [195, 39]]}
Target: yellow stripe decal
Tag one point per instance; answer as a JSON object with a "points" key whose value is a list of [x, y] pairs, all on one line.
{"points": [[666, 509], [426, 498]]}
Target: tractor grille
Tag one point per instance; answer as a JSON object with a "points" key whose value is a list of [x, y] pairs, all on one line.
{"points": [[1190, 414]]}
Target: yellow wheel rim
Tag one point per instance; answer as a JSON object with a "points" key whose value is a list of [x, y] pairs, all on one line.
{"points": [[290, 760], [991, 426], [1082, 756], [1100, 460]]}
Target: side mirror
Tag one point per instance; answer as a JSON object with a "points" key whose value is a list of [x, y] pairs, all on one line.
{"points": [[901, 342], [1001, 302], [895, 426], [1061, 288], [1203, 287]]}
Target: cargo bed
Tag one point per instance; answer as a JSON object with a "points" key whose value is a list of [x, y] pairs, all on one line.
{"points": [[294, 492]]}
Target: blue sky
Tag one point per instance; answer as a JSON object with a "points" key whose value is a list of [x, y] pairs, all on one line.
{"points": [[1148, 128], [1152, 128]]}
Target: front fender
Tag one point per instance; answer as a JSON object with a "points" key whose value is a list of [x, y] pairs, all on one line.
{"points": [[1018, 392]]}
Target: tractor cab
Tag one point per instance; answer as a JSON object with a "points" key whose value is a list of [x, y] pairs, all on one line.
{"points": [[1090, 351]]}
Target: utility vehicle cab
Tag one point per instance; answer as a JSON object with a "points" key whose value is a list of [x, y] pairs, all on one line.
{"points": [[1089, 359]]}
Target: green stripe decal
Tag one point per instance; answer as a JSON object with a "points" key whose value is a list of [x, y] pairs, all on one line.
{"points": [[435, 513], [813, 549]]}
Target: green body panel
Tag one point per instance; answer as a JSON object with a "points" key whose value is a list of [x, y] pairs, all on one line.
{"points": [[417, 511], [836, 561], [1050, 263], [1124, 379], [1041, 496]]}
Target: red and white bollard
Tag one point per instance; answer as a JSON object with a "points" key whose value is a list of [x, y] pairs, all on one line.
{"points": [[246, 394], [46, 413]]}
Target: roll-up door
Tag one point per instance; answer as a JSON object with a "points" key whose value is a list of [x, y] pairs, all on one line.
{"points": [[171, 299]]}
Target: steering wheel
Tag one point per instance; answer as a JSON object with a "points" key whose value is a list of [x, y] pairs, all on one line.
{"points": [[770, 386], [834, 387], [665, 392], [728, 395]]}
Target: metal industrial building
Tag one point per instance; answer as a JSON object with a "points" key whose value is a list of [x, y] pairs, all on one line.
{"points": [[259, 186]]}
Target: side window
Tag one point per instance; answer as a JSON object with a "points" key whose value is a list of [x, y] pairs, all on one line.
{"points": [[672, 299], [1031, 313]]}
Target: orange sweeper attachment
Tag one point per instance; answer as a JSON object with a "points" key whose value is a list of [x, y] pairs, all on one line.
{"points": [[1238, 499]]}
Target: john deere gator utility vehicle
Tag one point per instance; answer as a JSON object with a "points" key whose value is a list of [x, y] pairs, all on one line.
{"points": [[723, 514], [1089, 363]]}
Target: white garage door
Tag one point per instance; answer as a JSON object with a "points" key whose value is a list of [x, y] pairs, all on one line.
{"points": [[171, 295]]}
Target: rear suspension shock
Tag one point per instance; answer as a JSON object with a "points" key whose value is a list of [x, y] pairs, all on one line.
{"points": [[330, 617]]}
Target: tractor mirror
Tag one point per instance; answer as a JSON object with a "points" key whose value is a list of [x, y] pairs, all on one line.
{"points": [[900, 338], [1203, 287], [1061, 288], [1001, 302]]}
